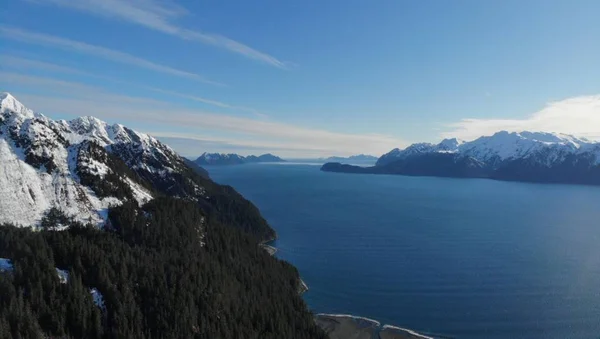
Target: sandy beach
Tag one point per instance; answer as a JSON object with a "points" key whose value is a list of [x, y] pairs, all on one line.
{"points": [[341, 326]]}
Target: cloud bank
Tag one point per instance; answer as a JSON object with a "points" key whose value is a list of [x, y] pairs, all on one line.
{"points": [[579, 116]]}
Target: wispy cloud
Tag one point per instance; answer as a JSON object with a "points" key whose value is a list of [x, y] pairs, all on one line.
{"points": [[579, 116], [96, 51], [25, 64], [209, 101], [289, 148], [10, 61], [77, 100], [161, 16]]}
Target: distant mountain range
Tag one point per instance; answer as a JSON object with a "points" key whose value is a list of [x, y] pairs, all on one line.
{"points": [[353, 158], [234, 159], [524, 156]]}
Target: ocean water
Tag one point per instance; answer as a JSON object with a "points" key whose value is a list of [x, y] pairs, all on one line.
{"points": [[462, 258]]}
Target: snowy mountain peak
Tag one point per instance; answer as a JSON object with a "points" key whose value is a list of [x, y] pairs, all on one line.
{"points": [[546, 137], [511, 145], [87, 124], [89, 127], [9, 104], [74, 166], [450, 144]]}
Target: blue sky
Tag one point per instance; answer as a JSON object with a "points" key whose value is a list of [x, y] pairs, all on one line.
{"points": [[312, 78]]}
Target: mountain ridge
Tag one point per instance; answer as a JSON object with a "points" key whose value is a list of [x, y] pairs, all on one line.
{"points": [[234, 159], [524, 156], [85, 166], [113, 234], [352, 158]]}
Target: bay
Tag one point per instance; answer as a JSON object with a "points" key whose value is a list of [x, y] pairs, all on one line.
{"points": [[464, 258]]}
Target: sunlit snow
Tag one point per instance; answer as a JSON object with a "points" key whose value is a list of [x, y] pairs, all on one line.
{"points": [[27, 192]]}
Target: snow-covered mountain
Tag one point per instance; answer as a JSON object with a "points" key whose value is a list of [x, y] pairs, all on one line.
{"points": [[80, 168], [46, 164], [545, 147], [234, 159], [524, 156], [219, 159], [446, 146]]}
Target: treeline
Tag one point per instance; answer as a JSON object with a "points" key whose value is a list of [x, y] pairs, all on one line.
{"points": [[166, 271]]}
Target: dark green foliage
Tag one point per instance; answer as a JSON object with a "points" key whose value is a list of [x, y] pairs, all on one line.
{"points": [[220, 203], [171, 175], [54, 217], [225, 205], [199, 170], [164, 272]]}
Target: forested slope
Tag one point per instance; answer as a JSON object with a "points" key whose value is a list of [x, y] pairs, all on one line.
{"points": [[163, 272]]}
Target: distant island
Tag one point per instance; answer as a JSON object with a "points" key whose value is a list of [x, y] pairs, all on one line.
{"points": [[525, 156], [353, 158], [234, 159]]}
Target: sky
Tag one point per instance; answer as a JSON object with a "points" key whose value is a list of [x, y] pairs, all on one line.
{"points": [[308, 78]]}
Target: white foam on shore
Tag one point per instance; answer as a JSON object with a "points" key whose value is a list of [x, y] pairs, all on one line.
{"points": [[396, 328], [303, 286], [270, 249], [377, 323]]}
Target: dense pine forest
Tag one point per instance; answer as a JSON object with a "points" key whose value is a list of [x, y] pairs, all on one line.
{"points": [[168, 270]]}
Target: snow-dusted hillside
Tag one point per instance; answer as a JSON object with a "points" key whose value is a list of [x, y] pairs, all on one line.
{"points": [[43, 164]]}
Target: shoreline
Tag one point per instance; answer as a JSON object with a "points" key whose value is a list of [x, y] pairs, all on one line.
{"points": [[302, 287], [344, 326], [340, 326], [389, 331], [265, 245], [272, 250]]}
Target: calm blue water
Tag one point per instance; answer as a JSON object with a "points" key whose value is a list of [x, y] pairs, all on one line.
{"points": [[467, 258]]}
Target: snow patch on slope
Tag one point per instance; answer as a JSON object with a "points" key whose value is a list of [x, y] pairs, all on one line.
{"points": [[5, 265], [63, 276], [140, 194], [98, 298]]}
